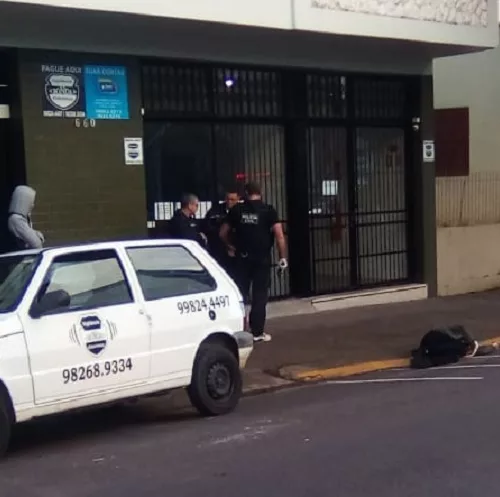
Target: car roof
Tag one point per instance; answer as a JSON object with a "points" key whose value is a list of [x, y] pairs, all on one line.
{"points": [[105, 245]]}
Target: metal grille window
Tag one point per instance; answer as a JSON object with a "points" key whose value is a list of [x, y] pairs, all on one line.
{"points": [[175, 90], [246, 93], [380, 99], [326, 96]]}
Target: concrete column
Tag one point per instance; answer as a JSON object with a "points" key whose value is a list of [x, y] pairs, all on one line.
{"points": [[425, 194]]}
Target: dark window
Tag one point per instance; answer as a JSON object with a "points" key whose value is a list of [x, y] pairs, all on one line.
{"points": [[169, 271], [15, 274], [376, 99], [91, 279], [326, 96], [175, 90], [246, 93], [452, 142], [178, 156]]}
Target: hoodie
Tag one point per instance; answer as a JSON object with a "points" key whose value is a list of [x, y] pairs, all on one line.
{"points": [[19, 223]]}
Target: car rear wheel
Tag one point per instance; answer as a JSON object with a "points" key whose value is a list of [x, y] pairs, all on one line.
{"points": [[216, 384]]}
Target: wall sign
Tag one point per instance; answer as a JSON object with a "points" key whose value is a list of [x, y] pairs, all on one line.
{"points": [[64, 93], [92, 92], [428, 151], [106, 92], [134, 153]]}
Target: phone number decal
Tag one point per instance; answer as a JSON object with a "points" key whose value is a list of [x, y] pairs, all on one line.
{"points": [[199, 305], [97, 370]]}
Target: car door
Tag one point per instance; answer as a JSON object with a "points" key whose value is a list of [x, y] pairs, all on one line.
{"points": [[97, 340], [184, 303]]}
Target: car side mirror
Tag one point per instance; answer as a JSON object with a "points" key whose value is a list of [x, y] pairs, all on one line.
{"points": [[59, 299]]}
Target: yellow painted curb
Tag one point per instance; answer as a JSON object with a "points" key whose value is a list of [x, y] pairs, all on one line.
{"points": [[361, 367], [350, 370], [491, 341]]}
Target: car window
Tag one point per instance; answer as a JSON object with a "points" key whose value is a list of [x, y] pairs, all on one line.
{"points": [[169, 271], [15, 274], [91, 279]]}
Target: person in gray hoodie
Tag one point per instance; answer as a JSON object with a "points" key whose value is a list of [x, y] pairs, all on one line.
{"points": [[19, 223]]}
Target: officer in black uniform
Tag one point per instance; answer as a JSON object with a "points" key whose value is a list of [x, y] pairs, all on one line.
{"points": [[211, 227], [255, 227], [184, 224]]}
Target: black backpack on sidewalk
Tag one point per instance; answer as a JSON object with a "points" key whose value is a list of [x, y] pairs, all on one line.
{"points": [[443, 346]]}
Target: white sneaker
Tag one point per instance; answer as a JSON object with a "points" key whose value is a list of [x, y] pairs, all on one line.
{"points": [[263, 337]]}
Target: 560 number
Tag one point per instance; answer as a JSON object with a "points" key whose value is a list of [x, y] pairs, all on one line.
{"points": [[97, 370], [199, 305]]}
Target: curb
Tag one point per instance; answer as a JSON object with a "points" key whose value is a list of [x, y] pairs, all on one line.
{"points": [[302, 373], [310, 374]]}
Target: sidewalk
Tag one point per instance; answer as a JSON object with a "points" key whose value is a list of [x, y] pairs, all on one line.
{"points": [[379, 333], [344, 342]]}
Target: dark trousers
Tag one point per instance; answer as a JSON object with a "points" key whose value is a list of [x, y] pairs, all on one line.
{"points": [[229, 264], [254, 275]]}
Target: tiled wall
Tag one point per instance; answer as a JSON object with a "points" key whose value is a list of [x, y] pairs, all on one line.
{"points": [[459, 12]]}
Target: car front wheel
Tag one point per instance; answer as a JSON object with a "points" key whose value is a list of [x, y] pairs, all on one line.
{"points": [[216, 384]]}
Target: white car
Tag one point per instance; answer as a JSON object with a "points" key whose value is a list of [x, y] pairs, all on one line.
{"points": [[99, 323]]}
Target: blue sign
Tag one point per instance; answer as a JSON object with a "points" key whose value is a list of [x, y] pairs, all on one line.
{"points": [[106, 92]]}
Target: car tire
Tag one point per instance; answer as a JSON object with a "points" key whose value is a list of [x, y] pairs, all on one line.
{"points": [[216, 384], [5, 428]]}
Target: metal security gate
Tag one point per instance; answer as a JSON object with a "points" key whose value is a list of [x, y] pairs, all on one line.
{"points": [[332, 153], [358, 211], [210, 130]]}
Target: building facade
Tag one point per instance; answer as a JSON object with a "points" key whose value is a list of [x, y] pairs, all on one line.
{"points": [[468, 172], [117, 109]]}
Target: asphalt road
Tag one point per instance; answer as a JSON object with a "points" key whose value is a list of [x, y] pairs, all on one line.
{"points": [[393, 434]]}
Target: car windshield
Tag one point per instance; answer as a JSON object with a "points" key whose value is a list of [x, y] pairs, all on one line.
{"points": [[15, 274]]}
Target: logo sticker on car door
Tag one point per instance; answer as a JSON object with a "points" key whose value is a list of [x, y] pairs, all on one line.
{"points": [[93, 333]]}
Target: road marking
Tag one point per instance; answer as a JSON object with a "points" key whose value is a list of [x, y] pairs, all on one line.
{"points": [[486, 357], [469, 366], [460, 366], [396, 380]]}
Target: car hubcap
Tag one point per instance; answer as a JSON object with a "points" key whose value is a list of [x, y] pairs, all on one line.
{"points": [[219, 381]]}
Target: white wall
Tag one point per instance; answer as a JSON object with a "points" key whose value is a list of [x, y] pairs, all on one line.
{"points": [[468, 259], [264, 13], [178, 39], [473, 81], [454, 22], [468, 208]]}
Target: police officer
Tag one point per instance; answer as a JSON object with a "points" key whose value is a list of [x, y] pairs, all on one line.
{"points": [[184, 224], [211, 227], [255, 227]]}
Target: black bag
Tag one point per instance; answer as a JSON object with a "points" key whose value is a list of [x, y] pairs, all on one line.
{"points": [[442, 346]]}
